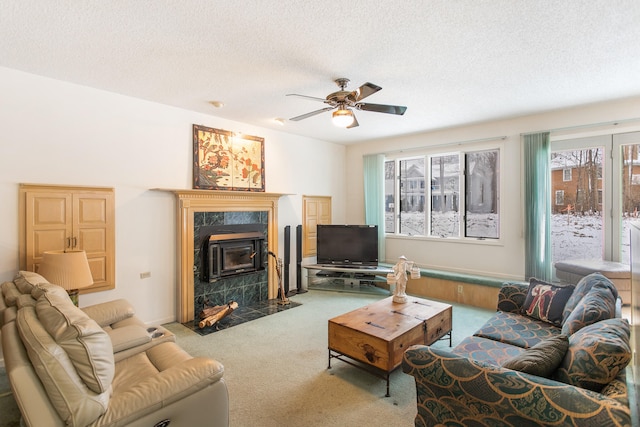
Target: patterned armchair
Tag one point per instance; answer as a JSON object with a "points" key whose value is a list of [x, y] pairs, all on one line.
{"points": [[468, 386]]}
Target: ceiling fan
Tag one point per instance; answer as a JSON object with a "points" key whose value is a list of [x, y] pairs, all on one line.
{"points": [[344, 102]]}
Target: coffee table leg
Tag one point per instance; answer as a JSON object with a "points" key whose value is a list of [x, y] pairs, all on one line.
{"points": [[329, 367], [387, 395]]}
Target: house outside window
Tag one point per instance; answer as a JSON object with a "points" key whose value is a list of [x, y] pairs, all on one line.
{"points": [[461, 201]]}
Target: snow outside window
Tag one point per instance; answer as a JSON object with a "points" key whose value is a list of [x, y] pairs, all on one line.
{"points": [[592, 222], [459, 182]]}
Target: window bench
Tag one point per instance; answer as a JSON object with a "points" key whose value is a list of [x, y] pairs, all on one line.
{"points": [[470, 289], [571, 271]]}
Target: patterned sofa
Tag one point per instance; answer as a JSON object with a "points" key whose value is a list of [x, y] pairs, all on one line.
{"points": [[551, 355]]}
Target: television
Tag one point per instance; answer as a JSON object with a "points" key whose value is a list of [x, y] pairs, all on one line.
{"points": [[347, 245]]}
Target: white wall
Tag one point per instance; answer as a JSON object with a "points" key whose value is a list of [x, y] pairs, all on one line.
{"points": [[504, 258], [52, 132]]}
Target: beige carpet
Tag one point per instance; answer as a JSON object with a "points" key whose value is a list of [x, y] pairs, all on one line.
{"points": [[276, 368]]}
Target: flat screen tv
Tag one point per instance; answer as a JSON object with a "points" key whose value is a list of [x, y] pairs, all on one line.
{"points": [[347, 245]]}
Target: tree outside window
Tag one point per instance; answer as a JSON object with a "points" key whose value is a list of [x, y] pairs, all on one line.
{"points": [[462, 181]]}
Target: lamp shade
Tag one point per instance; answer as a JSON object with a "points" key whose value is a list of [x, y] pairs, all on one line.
{"points": [[69, 269], [342, 117]]}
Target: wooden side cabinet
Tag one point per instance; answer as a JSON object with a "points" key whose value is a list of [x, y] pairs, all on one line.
{"points": [[63, 217]]}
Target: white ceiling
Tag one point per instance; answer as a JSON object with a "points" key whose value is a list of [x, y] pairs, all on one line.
{"points": [[450, 62]]}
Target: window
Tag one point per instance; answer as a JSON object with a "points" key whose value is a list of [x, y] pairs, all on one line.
{"points": [[465, 182], [560, 197], [412, 196], [389, 196], [445, 194], [603, 198], [566, 175]]}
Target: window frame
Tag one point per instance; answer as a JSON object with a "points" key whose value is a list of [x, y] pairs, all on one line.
{"points": [[461, 149]]}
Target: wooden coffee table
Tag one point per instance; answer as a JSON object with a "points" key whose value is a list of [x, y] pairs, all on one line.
{"points": [[378, 334]]}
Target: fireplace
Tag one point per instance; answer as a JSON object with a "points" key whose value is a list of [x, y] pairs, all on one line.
{"points": [[193, 210], [232, 254]]}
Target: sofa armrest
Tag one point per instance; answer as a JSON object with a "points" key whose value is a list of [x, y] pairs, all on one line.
{"points": [[511, 296], [109, 312], [453, 389], [128, 337], [155, 392]]}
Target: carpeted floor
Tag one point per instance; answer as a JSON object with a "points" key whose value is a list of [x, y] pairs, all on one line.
{"points": [[276, 368]]}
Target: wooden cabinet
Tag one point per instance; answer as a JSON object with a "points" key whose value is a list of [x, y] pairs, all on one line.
{"points": [[315, 210], [63, 217]]}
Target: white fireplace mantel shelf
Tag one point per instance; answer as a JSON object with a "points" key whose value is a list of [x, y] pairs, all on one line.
{"points": [[191, 201]]}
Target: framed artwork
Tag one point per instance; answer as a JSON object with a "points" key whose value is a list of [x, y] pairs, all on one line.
{"points": [[224, 160]]}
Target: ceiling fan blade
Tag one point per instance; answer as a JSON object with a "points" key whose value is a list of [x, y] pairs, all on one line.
{"points": [[355, 123], [308, 97], [365, 90], [311, 114], [380, 108]]}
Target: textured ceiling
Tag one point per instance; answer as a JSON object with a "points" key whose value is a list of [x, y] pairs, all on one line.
{"points": [[449, 61]]}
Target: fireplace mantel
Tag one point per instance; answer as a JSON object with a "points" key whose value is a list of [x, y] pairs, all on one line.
{"points": [[191, 201]]}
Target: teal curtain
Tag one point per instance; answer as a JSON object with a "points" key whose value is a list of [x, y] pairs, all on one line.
{"points": [[374, 197], [537, 206]]}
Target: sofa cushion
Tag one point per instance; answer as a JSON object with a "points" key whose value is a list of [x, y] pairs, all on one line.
{"points": [[516, 329], [38, 290], [546, 301], [582, 288], [26, 280], [542, 359], [10, 293], [86, 343], [25, 300], [486, 350], [598, 304], [75, 403], [597, 354]]}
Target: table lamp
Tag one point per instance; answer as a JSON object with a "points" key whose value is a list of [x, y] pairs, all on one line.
{"points": [[68, 269]]}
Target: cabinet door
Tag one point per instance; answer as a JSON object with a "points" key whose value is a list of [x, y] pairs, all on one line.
{"points": [[48, 225], [315, 210], [93, 233], [59, 218]]}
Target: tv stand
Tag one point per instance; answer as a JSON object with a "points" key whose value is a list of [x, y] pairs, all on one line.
{"points": [[368, 279]]}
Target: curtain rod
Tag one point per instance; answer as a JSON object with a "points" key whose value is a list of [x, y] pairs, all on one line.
{"points": [[590, 125], [445, 144]]}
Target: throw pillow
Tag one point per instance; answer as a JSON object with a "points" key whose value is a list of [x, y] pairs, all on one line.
{"points": [[542, 359], [597, 354], [545, 301], [598, 304]]}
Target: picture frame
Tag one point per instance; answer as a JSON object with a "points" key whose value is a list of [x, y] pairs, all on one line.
{"points": [[225, 160]]}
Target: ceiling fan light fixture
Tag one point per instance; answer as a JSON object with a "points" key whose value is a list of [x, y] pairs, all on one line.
{"points": [[343, 118]]}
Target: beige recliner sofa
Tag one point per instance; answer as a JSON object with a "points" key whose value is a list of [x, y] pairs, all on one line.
{"points": [[100, 365]]}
